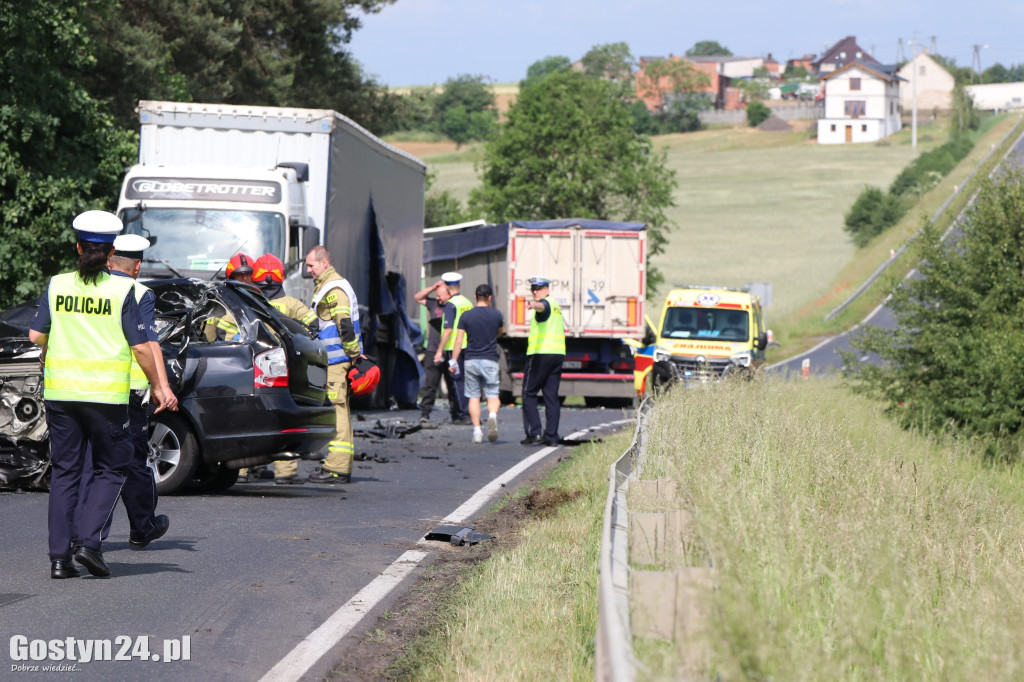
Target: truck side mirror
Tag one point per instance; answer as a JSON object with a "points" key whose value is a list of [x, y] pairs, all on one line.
{"points": [[310, 238]]}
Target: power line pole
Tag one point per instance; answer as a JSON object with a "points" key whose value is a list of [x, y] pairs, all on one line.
{"points": [[901, 56], [913, 81], [932, 50], [976, 60]]}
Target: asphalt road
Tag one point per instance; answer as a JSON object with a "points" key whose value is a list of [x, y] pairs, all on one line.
{"points": [[825, 358], [246, 575]]}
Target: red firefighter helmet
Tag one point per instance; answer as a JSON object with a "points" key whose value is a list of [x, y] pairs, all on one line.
{"points": [[268, 265], [364, 375], [240, 264]]}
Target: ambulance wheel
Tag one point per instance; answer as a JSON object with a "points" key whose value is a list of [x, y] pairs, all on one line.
{"points": [[173, 452]]}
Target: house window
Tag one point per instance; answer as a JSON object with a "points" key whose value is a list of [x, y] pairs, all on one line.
{"points": [[892, 107], [855, 84], [863, 127], [855, 108], [920, 70], [832, 128]]}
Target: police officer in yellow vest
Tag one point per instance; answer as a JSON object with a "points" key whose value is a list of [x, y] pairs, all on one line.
{"points": [[89, 326], [268, 275], [139, 491], [338, 318], [545, 352], [453, 310]]}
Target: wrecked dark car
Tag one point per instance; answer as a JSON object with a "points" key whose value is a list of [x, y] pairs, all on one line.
{"points": [[251, 386]]}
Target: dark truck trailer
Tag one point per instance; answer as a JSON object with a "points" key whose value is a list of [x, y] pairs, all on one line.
{"points": [[598, 276]]}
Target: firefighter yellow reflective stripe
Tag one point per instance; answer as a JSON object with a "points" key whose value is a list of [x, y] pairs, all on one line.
{"points": [[88, 365], [341, 446]]}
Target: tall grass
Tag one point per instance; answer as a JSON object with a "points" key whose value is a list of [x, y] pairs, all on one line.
{"points": [[845, 547]]}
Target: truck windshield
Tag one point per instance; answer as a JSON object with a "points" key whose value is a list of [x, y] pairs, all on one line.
{"points": [[724, 325], [202, 239]]}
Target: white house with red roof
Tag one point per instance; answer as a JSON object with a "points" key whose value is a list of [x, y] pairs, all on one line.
{"points": [[862, 103]]}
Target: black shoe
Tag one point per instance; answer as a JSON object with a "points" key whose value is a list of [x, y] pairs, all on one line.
{"points": [[551, 442], [462, 421], [531, 440], [288, 480], [264, 473], [92, 559], [160, 525], [63, 568], [322, 475]]}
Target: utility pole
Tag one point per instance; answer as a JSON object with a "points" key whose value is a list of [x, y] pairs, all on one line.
{"points": [[976, 60], [901, 56], [932, 50], [913, 81]]}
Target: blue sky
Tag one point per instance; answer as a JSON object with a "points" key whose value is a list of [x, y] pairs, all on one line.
{"points": [[418, 42]]}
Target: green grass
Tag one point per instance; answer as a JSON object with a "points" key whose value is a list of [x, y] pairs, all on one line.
{"points": [[845, 548], [529, 613]]}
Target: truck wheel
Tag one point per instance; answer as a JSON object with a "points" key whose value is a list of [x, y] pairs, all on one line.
{"points": [[173, 453]]}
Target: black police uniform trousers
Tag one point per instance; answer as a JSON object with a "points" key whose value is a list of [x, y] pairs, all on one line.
{"points": [[543, 373], [460, 382], [139, 491], [73, 426], [433, 374]]}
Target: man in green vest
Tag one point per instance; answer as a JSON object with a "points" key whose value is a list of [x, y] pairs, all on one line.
{"points": [[545, 352], [453, 310]]}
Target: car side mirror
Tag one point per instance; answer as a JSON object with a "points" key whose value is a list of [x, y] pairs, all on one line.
{"points": [[762, 341]]}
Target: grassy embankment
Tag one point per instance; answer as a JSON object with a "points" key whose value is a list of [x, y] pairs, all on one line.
{"points": [[845, 547]]}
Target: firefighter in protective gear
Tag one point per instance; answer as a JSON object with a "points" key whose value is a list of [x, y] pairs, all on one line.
{"points": [[545, 352], [89, 326], [268, 275], [238, 269], [337, 311]]}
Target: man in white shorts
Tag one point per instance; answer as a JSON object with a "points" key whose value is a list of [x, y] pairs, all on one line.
{"points": [[478, 332]]}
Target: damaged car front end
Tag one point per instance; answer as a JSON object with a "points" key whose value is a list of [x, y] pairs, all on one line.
{"points": [[251, 386]]}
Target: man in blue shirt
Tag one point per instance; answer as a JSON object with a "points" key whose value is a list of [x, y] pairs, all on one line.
{"points": [[482, 325]]}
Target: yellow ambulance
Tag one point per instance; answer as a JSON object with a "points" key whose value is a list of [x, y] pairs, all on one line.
{"points": [[703, 334]]}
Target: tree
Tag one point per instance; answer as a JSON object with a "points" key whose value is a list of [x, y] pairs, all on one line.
{"points": [[708, 48], [610, 61], [997, 73], [962, 75], [464, 109], [544, 67], [568, 150], [757, 113], [60, 153], [441, 208], [964, 116], [269, 52], [795, 72], [951, 362], [673, 76], [872, 213]]}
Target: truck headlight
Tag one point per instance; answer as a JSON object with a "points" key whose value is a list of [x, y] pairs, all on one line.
{"points": [[742, 359], [661, 355]]}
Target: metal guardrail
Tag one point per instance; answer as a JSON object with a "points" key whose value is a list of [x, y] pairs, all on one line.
{"points": [[614, 657], [899, 252]]}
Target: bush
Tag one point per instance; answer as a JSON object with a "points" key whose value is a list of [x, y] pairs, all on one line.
{"points": [[757, 112], [929, 168], [872, 213]]}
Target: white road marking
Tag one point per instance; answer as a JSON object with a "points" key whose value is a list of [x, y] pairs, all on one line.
{"points": [[320, 641], [310, 650]]}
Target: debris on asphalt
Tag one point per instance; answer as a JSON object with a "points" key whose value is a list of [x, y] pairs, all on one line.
{"points": [[457, 535], [389, 428]]}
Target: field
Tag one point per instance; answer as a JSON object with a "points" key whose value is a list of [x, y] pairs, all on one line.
{"points": [[751, 206]]}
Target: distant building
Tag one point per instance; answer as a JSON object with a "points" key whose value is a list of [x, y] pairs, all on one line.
{"points": [[807, 62], [772, 67], [997, 96], [934, 85], [846, 51], [861, 104], [733, 67]]}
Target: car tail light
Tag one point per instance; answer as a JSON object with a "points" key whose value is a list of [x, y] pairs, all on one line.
{"points": [[270, 369]]}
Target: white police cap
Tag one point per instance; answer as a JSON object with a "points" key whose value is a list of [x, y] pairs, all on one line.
{"points": [[538, 282], [97, 226], [451, 278], [130, 245]]}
